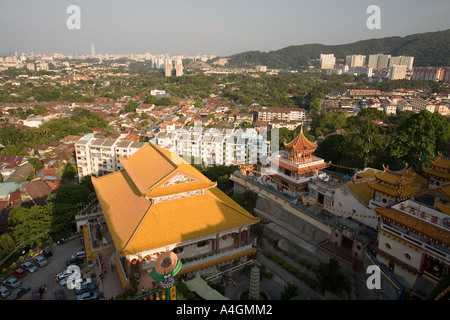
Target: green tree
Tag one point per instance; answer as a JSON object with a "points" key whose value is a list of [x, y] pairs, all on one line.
{"points": [[69, 172], [330, 276], [290, 291], [419, 139], [7, 245]]}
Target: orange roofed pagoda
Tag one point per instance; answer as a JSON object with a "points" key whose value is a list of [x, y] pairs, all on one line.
{"points": [[160, 203], [296, 166]]}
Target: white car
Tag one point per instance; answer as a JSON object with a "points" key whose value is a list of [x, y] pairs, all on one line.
{"points": [[79, 255], [64, 276], [28, 266], [12, 283], [41, 261], [4, 292]]}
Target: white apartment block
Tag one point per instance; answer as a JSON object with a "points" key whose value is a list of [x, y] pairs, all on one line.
{"points": [[327, 61], [216, 147], [356, 60], [378, 61], [389, 107], [285, 114], [397, 72], [402, 61], [99, 156], [422, 104]]}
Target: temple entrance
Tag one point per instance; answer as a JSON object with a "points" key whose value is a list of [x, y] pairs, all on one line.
{"points": [[320, 198], [347, 244]]}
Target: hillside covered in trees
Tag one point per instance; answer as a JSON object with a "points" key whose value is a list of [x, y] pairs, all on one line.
{"points": [[428, 49]]}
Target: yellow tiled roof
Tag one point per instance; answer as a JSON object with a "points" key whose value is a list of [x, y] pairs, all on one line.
{"points": [[442, 162], [136, 224], [362, 191], [418, 226], [403, 177], [183, 219], [122, 204], [199, 182], [437, 173], [147, 166]]}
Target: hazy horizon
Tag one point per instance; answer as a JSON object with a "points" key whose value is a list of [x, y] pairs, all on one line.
{"points": [[207, 27]]}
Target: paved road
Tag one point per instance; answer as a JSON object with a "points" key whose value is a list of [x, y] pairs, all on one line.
{"points": [[46, 275]]}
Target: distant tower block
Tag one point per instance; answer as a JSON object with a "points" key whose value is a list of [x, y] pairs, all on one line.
{"points": [[254, 284], [92, 50]]}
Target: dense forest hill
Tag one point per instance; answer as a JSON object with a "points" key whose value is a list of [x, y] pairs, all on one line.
{"points": [[429, 49]]}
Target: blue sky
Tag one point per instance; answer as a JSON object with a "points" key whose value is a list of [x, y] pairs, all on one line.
{"points": [[193, 27]]}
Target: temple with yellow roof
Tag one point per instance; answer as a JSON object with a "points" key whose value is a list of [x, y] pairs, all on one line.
{"points": [[439, 172], [160, 203], [295, 166], [414, 238], [391, 186]]}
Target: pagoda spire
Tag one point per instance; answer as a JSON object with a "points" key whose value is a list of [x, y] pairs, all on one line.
{"points": [[300, 149]]}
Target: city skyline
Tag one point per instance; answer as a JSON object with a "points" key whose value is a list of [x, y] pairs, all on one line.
{"points": [[201, 27]]}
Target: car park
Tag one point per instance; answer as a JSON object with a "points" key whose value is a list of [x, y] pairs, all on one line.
{"points": [[12, 283], [28, 266], [88, 296], [19, 273], [59, 295], [16, 294], [4, 291], [40, 261]]}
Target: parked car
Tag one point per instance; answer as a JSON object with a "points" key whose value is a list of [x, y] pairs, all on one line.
{"points": [[88, 296], [40, 261], [47, 252], [59, 295], [87, 287], [79, 254], [63, 276], [4, 291], [36, 294], [81, 282], [12, 283], [16, 294], [76, 261], [19, 273], [28, 266]]}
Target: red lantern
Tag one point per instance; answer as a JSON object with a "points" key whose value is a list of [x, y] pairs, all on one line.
{"points": [[148, 257], [134, 261], [224, 237]]}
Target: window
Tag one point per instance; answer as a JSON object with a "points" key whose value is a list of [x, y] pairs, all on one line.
{"points": [[387, 245], [384, 200], [408, 256]]}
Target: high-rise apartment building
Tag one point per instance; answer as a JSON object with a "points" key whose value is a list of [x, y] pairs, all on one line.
{"points": [[402, 61], [216, 147], [327, 61], [397, 72], [100, 156], [92, 50], [178, 67], [356, 60], [428, 74], [378, 61]]}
